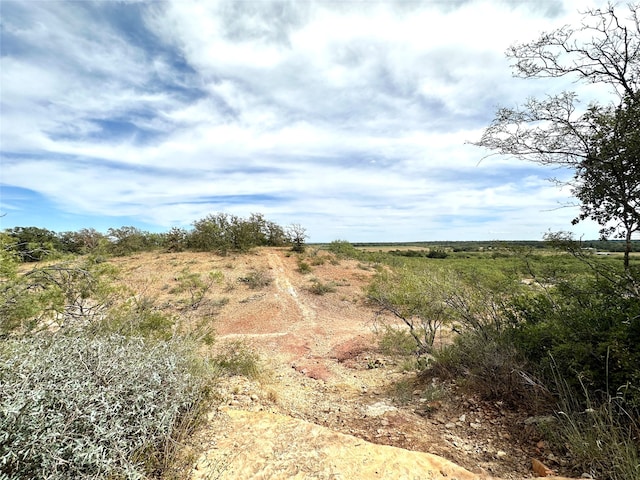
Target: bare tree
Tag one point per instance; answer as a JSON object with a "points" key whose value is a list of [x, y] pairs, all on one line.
{"points": [[297, 234]]}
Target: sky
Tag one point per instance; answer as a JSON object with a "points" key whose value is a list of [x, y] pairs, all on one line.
{"points": [[351, 118]]}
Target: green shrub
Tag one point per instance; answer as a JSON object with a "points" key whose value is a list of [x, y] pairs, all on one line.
{"points": [[82, 407], [591, 330], [69, 294], [396, 341], [490, 368], [343, 249]]}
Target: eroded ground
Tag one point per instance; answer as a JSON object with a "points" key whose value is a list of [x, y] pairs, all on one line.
{"points": [[326, 391]]}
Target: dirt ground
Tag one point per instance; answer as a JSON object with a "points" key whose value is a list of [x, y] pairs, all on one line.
{"points": [[327, 404]]}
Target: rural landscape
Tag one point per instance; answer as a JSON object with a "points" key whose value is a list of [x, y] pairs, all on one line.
{"points": [[155, 355], [234, 346]]}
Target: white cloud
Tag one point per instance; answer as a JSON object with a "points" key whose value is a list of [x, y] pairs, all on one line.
{"points": [[355, 115]]}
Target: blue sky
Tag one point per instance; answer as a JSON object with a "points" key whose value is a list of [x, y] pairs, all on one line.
{"points": [[350, 118]]}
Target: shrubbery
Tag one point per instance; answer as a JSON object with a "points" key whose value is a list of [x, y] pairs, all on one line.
{"points": [[102, 407], [567, 340]]}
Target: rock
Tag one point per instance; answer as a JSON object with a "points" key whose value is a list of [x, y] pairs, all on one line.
{"points": [[540, 469], [501, 454], [378, 409], [545, 419]]}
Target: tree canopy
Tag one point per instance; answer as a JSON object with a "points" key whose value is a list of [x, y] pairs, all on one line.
{"points": [[600, 142]]}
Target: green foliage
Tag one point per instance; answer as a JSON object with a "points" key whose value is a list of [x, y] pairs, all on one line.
{"points": [[591, 330], [128, 240], [492, 369], [84, 241], [436, 253], [224, 233], [297, 235], [396, 341], [82, 407], [175, 240], [33, 244], [137, 317], [69, 294], [195, 286], [416, 298], [608, 179], [343, 249]]}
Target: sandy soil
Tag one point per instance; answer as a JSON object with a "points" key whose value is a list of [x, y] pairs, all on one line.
{"points": [[328, 404]]}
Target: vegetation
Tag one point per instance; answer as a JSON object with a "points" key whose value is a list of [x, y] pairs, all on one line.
{"points": [[553, 330], [257, 279], [600, 143], [97, 382], [221, 233], [78, 406]]}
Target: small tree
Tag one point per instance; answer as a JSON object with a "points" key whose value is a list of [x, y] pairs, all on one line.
{"points": [[607, 181], [297, 234], [418, 299]]}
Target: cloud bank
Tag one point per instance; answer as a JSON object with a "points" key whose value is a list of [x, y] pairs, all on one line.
{"points": [[350, 118]]}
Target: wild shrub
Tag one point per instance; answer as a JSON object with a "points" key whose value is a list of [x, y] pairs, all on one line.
{"points": [[304, 267], [343, 249], [587, 330], [318, 287], [237, 358], [94, 407], [396, 341], [491, 369], [257, 279], [415, 297], [68, 294]]}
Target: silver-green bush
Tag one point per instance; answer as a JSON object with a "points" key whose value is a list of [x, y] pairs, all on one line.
{"points": [[89, 407]]}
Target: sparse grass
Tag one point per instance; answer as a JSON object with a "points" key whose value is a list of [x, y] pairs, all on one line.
{"points": [[257, 279], [237, 358], [319, 288], [492, 369], [396, 341], [304, 267], [317, 260], [602, 439], [402, 391]]}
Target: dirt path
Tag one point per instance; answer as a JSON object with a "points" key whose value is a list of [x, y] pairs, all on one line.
{"points": [[329, 405]]}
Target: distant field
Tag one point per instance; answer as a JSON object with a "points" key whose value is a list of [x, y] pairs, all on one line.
{"points": [[612, 246]]}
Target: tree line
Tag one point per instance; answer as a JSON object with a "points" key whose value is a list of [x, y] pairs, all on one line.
{"points": [[220, 232]]}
